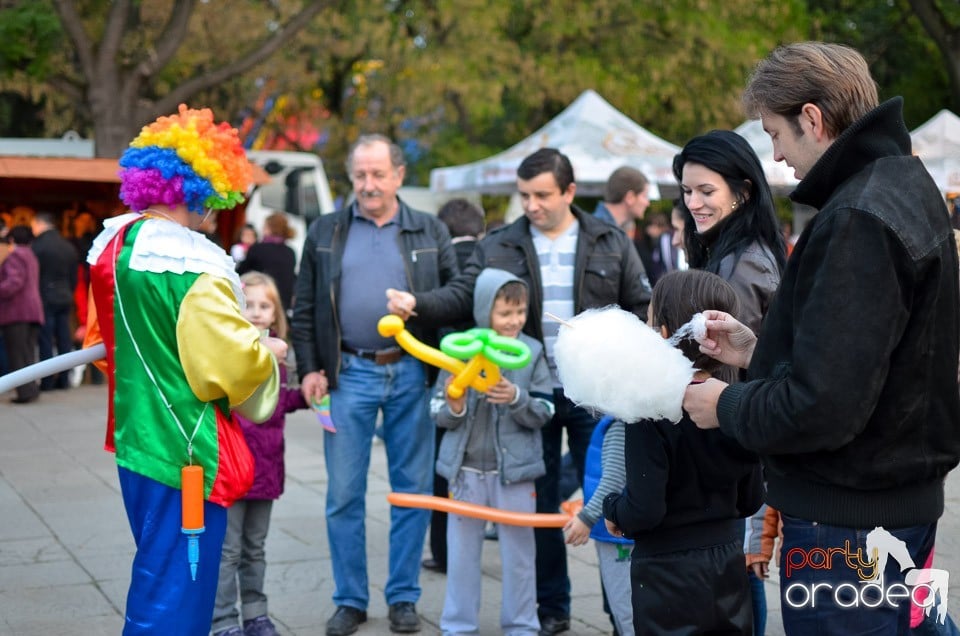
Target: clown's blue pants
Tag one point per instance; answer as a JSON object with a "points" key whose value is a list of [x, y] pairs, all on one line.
{"points": [[163, 599]]}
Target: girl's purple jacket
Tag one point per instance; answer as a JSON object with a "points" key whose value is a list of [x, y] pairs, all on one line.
{"points": [[266, 443]]}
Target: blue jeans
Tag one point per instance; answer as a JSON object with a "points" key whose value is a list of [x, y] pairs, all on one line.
{"points": [[815, 554], [553, 583], [365, 388], [759, 597], [55, 332]]}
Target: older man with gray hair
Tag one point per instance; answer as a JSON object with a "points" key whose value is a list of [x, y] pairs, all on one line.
{"points": [[350, 258]]}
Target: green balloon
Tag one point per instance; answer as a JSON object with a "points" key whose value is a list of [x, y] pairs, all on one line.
{"points": [[506, 353]]}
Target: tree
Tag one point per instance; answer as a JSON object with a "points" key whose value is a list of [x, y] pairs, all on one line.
{"points": [[29, 33], [119, 65], [676, 68], [895, 46], [941, 21]]}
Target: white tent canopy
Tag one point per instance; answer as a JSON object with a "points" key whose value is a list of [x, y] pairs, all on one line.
{"points": [[779, 175], [596, 137], [937, 143]]}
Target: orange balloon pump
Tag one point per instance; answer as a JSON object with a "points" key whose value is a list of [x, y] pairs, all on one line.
{"points": [[191, 492]]}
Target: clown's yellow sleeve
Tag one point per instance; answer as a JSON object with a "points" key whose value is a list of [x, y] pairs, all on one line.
{"points": [[221, 352]]}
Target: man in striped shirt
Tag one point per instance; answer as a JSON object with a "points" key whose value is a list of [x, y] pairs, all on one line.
{"points": [[571, 262]]}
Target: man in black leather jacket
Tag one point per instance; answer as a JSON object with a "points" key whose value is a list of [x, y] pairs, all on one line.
{"points": [[570, 262], [851, 398]]}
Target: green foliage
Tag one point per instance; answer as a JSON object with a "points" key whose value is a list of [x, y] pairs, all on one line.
{"points": [[677, 69], [458, 80], [902, 57], [29, 31]]}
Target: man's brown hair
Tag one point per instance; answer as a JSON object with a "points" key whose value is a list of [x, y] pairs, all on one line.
{"points": [[833, 77]]}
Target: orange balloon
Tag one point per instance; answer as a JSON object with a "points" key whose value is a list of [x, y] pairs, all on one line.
{"points": [[191, 492], [572, 506], [476, 511]]}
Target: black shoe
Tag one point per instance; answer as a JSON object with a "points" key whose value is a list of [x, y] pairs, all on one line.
{"points": [[403, 618], [434, 565], [345, 620], [554, 625], [24, 400]]}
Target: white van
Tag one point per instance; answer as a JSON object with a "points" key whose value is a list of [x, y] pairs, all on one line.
{"points": [[298, 187]]}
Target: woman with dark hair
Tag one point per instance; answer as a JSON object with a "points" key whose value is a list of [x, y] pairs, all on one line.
{"points": [[731, 229], [731, 226]]}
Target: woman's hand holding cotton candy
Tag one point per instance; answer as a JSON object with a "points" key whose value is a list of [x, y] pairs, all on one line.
{"points": [[700, 402], [728, 340]]}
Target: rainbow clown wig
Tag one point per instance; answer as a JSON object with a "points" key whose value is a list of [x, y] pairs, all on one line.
{"points": [[185, 159]]}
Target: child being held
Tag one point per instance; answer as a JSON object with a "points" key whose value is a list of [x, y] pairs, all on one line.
{"points": [[248, 519], [491, 454], [687, 493]]}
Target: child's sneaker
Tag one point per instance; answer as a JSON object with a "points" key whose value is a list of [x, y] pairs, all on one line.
{"points": [[259, 626]]}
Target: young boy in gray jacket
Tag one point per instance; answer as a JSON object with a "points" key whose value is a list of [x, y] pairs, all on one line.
{"points": [[491, 455]]}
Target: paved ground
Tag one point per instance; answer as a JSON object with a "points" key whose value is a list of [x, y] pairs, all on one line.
{"points": [[65, 547]]}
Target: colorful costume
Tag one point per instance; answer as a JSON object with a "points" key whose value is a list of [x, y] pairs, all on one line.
{"points": [[180, 355]]}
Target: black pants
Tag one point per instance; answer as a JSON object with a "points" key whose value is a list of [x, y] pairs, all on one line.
{"points": [[553, 583], [55, 334], [21, 342], [438, 520], [700, 591]]}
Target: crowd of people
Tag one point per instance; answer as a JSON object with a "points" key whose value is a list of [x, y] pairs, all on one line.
{"points": [[43, 289], [823, 412]]}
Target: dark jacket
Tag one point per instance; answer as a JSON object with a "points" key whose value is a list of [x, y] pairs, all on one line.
{"points": [[755, 275], [266, 442], [277, 259], [852, 395], [607, 271], [429, 260], [686, 488], [58, 268]]}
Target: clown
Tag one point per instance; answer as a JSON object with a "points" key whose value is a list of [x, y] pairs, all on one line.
{"points": [[180, 356]]}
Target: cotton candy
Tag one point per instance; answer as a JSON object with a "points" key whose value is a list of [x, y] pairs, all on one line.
{"points": [[612, 363]]}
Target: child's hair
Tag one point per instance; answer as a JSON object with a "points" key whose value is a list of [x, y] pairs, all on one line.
{"points": [[513, 292], [259, 279], [678, 295]]}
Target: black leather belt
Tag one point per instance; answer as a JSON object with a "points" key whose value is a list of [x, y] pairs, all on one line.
{"points": [[383, 356]]}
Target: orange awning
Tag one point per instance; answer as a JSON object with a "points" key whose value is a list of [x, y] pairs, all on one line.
{"points": [[76, 169]]}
